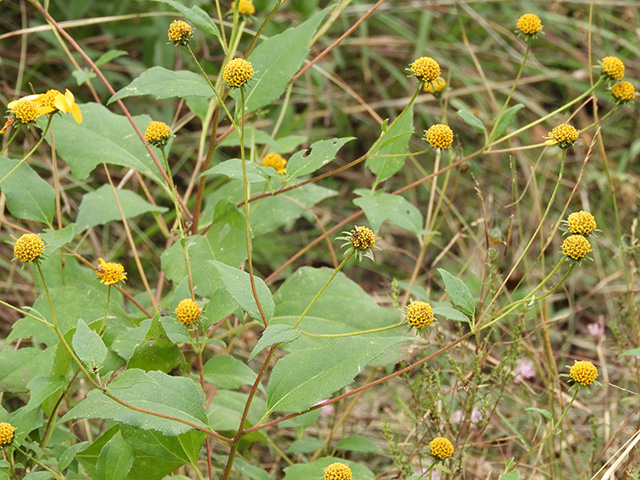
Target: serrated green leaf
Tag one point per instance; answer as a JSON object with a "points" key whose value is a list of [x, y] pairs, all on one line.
{"points": [[305, 377], [379, 206], [458, 292], [545, 413], [471, 120], [197, 16], [358, 443], [451, 314], [162, 83], [156, 351], [180, 449], [314, 470], [507, 119], [322, 152], [277, 60], [29, 197], [395, 142], [115, 460], [274, 334], [155, 391], [225, 371], [88, 346], [238, 284]]}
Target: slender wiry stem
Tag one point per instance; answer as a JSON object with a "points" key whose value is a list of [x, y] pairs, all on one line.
{"points": [[353, 334]]}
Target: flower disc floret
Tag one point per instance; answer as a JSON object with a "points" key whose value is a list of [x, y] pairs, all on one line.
{"points": [[28, 247], [157, 134], [180, 33], [576, 247], [25, 111], [581, 223], [529, 24], [246, 7], [419, 314], [337, 471], [362, 238], [6, 434], [613, 67], [564, 135], [237, 72], [426, 69], [583, 372], [441, 448], [188, 311], [276, 161], [436, 86], [623, 91], [110, 273], [439, 136]]}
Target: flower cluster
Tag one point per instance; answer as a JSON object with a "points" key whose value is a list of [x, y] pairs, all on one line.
{"points": [[441, 448], [583, 372], [237, 72], [564, 136], [6, 434], [275, 161], [337, 471], [188, 311], [28, 247], [110, 273], [576, 247], [435, 87], [28, 109], [360, 241], [612, 67], [425, 69], [419, 314], [157, 134], [529, 24], [439, 136], [245, 7], [180, 33], [623, 91], [581, 223]]}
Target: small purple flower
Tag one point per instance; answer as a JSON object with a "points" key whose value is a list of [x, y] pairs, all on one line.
{"points": [[524, 371], [476, 415], [596, 330], [326, 410]]}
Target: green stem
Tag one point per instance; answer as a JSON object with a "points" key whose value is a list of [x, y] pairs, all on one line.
{"points": [[26, 314], [352, 334], [104, 320], [607, 115], [44, 132], [326, 284], [34, 460], [11, 139]]}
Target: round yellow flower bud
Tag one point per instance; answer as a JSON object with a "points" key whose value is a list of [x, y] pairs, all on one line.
{"points": [[564, 135], [583, 372], [337, 471], [623, 91], [529, 24], [362, 238], [441, 448], [237, 72], [419, 314], [25, 111], [110, 273], [426, 69], [435, 87], [439, 136], [188, 311], [157, 134], [28, 247], [613, 67], [581, 223], [576, 247], [6, 434], [276, 161], [180, 33], [246, 7]]}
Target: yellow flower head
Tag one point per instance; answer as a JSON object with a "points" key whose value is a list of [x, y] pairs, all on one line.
{"points": [[362, 238], [564, 135], [110, 272], [529, 24], [188, 311], [246, 7], [425, 68], [52, 101], [623, 91], [576, 247], [67, 104], [157, 134], [583, 372], [237, 72], [337, 471], [435, 87], [441, 448], [439, 136], [419, 314], [581, 223], [180, 33], [613, 68], [6, 434], [276, 161], [26, 111], [28, 247]]}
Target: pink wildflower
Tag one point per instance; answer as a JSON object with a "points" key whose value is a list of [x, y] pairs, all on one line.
{"points": [[524, 371], [596, 330]]}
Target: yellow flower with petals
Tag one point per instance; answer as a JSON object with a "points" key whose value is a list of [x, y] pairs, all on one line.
{"points": [[110, 272], [27, 111], [51, 101], [67, 104]]}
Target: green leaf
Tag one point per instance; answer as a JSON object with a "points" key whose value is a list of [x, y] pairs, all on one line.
{"points": [[238, 284], [55, 239], [274, 334], [39, 476], [88, 346], [197, 16], [630, 353], [507, 119], [277, 60], [451, 314], [19, 367], [99, 207], [162, 83], [305, 445], [115, 460], [70, 454], [42, 387], [226, 410], [514, 475], [471, 120], [102, 137], [314, 470], [225, 371], [29, 197], [358, 443], [252, 136], [233, 169], [155, 391], [179, 449], [545, 413], [156, 351], [379, 206], [458, 292], [322, 152], [395, 142], [110, 55], [305, 377]]}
